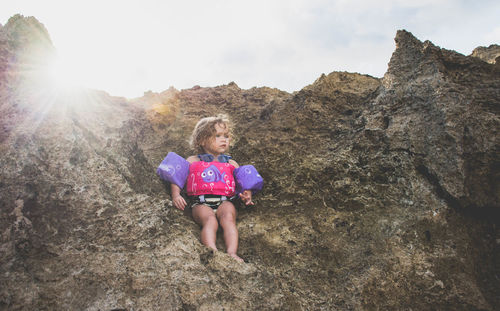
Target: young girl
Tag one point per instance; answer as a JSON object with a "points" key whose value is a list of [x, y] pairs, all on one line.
{"points": [[213, 180]]}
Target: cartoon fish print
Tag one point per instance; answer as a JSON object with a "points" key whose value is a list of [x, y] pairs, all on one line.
{"points": [[212, 174]]}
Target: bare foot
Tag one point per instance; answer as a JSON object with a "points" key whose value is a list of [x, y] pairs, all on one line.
{"points": [[238, 258]]}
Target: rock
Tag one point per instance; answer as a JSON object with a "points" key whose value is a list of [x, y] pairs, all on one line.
{"points": [[488, 54], [439, 110], [379, 193]]}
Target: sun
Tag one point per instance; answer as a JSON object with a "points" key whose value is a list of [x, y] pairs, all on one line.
{"points": [[62, 74]]}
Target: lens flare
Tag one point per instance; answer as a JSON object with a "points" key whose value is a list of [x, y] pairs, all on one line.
{"points": [[62, 75]]}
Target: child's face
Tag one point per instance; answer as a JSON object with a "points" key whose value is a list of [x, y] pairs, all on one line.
{"points": [[219, 143]]}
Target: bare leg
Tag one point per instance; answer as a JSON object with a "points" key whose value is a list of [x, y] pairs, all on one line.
{"points": [[226, 213], [205, 217]]}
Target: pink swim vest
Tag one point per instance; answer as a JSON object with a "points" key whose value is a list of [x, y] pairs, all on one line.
{"points": [[211, 178]]}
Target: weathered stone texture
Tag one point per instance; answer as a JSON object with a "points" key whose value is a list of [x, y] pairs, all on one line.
{"points": [[488, 54], [380, 193]]}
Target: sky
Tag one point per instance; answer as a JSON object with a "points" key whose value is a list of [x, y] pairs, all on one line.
{"points": [[129, 47]]}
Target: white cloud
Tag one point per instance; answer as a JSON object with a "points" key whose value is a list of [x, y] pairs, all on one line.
{"points": [[492, 36], [127, 47]]}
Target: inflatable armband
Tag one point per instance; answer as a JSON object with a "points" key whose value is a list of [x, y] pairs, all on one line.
{"points": [[174, 169], [247, 178]]}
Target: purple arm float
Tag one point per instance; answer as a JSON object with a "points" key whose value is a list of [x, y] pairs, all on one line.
{"points": [[174, 169], [247, 178]]}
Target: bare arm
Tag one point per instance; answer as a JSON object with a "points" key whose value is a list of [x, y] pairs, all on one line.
{"points": [[177, 199], [245, 196]]}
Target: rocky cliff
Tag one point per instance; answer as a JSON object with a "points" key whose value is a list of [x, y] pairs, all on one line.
{"points": [[380, 193], [488, 54]]}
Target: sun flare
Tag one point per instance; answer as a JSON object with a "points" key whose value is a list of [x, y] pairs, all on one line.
{"points": [[63, 75]]}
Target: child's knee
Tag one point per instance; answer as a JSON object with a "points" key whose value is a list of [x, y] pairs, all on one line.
{"points": [[211, 221], [227, 218]]}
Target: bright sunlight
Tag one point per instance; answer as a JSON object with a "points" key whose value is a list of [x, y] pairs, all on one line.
{"points": [[61, 75]]}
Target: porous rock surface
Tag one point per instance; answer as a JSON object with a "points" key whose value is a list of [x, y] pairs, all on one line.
{"points": [[380, 194], [489, 54]]}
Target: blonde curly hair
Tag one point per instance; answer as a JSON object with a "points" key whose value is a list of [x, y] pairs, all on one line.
{"points": [[205, 130]]}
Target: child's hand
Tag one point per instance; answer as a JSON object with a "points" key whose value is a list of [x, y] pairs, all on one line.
{"points": [[179, 202], [246, 197]]}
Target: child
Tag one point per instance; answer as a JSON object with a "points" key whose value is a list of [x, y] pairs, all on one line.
{"points": [[214, 180]]}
